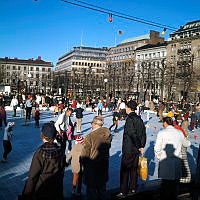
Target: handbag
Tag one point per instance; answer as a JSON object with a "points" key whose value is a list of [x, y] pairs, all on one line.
{"points": [[142, 168]]}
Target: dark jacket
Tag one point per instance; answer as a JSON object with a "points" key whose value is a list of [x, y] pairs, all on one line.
{"points": [[37, 115], [45, 179], [2, 113], [95, 157], [79, 113], [134, 134]]}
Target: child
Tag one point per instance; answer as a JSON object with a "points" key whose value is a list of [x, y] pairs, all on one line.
{"points": [[74, 155], [7, 140], [116, 117], [37, 117], [56, 110], [45, 180], [22, 107], [100, 107]]}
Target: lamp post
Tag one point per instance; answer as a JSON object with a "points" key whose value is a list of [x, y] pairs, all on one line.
{"points": [[29, 79], [105, 81]]}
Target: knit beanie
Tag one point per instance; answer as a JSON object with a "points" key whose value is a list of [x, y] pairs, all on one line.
{"points": [[79, 139]]}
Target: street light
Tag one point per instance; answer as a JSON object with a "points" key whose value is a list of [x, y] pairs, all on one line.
{"points": [[29, 78], [105, 80]]}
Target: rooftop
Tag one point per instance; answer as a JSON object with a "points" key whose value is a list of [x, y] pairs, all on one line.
{"points": [[31, 61], [138, 38], [149, 46], [84, 49], [189, 26]]}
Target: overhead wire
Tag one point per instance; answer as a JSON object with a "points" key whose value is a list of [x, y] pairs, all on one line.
{"points": [[112, 11], [120, 15]]}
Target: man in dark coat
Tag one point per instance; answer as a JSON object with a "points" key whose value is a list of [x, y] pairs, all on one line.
{"points": [[134, 140], [45, 179], [95, 160]]}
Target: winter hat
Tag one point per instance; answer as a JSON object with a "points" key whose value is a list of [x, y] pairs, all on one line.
{"points": [[49, 130], [79, 139]]}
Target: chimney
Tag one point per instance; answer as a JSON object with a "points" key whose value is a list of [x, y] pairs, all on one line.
{"points": [[39, 58]]}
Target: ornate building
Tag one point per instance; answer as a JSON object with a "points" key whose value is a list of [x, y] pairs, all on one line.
{"points": [[81, 71], [183, 55], [150, 68], [26, 76], [121, 64]]}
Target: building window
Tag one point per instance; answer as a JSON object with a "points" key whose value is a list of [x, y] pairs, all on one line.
{"points": [[19, 68], [7, 80], [8, 67], [8, 73], [43, 69], [49, 69], [37, 69], [24, 68], [37, 75], [31, 69], [14, 67]]}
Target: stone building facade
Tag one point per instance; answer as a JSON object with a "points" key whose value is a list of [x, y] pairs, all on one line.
{"points": [[26, 76], [81, 71], [150, 70], [183, 57], [121, 64]]}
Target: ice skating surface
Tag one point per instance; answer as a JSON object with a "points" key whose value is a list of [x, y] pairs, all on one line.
{"points": [[26, 140]]}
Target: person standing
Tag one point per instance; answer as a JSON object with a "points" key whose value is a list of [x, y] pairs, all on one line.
{"points": [[167, 149], [22, 107], [65, 126], [37, 118], [14, 104], [45, 179], [161, 109], [79, 117], [134, 140], [100, 107], [2, 116], [7, 140], [28, 106], [95, 160]]}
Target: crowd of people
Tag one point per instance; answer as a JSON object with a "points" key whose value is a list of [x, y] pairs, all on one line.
{"points": [[89, 156]]}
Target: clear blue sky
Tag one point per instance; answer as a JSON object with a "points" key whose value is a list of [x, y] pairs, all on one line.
{"points": [[48, 28]]}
